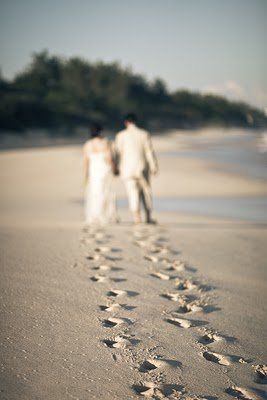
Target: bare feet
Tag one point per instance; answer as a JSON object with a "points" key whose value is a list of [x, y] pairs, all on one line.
{"points": [[150, 220], [137, 217]]}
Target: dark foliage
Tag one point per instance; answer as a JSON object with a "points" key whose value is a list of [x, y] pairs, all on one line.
{"points": [[56, 93]]}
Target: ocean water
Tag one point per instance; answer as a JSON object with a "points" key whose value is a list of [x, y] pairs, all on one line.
{"points": [[243, 154]]}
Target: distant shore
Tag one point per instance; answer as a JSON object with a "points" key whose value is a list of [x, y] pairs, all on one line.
{"points": [[46, 138]]}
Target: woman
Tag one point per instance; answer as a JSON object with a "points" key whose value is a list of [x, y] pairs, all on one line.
{"points": [[98, 169]]}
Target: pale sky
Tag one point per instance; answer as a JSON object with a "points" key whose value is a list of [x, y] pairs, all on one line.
{"points": [[208, 45]]}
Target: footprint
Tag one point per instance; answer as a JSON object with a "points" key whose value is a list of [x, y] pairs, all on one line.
{"points": [[95, 257], [106, 267], [216, 358], [99, 278], [241, 393], [140, 243], [172, 296], [179, 266], [184, 284], [160, 275], [147, 366], [102, 267], [159, 250], [153, 259], [210, 337], [111, 322], [118, 279], [152, 364], [112, 308], [115, 307], [102, 249], [118, 342], [146, 389], [261, 373], [181, 323], [189, 308], [110, 258], [117, 293]]}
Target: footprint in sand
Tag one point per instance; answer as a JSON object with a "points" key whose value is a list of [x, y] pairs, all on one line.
{"points": [[117, 293], [106, 267], [151, 390], [152, 364], [241, 393], [102, 249], [118, 279], [153, 259], [112, 308], [179, 266], [118, 342], [161, 276], [172, 296], [210, 337], [146, 389], [112, 322], [115, 307], [140, 243], [159, 250], [186, 308], [181, 323], [111, 258], [99, 278], [184, 284], [94, 257], [216, 358], [261, 373]]}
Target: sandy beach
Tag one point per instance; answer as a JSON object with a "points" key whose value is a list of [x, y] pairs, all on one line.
{"points": [[171, 311]]}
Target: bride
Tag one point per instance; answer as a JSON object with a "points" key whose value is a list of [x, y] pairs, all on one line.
{"points": [[98, 170]]}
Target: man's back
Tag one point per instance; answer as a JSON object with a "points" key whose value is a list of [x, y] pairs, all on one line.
{"points": [[135, 152]]}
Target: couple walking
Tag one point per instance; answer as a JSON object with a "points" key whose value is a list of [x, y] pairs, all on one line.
{"points": [[132, 157]]}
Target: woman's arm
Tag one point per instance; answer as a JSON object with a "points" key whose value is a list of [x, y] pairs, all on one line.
{"points": [[85, 164]]}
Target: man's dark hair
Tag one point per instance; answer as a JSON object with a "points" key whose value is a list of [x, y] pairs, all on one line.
{"points": [[95, 130], [130, 117]]}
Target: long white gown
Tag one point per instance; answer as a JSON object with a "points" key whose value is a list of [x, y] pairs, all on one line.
{"points": [[99, 196]]}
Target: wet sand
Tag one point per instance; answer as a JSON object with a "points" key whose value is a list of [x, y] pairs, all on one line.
{"points": [[176, 310]]}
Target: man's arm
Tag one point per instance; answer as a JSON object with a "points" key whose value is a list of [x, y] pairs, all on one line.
{"points": [[150, 155]]}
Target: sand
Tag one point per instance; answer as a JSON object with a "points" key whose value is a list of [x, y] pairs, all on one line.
{"points": [[176, 310]]}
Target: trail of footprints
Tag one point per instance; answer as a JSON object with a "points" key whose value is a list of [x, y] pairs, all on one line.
{"points": [[157, 252]]}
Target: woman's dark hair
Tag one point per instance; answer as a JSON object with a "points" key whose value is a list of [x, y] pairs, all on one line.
{"points": [[95, 130], [131, 117]]}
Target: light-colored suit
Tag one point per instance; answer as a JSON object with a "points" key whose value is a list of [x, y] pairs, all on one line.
{"points": [[136, 160]]}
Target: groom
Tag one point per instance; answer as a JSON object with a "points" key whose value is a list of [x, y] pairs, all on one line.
{"points": [[136, 160]]}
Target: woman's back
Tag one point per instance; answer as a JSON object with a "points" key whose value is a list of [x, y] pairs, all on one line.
{"points": [[98, 152], [100, 202]]}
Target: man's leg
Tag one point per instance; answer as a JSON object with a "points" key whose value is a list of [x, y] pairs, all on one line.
{"points": [[133, 192], [146, 197]]}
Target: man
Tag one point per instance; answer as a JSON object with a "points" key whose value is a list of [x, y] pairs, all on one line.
{"points": [[136, 160]]}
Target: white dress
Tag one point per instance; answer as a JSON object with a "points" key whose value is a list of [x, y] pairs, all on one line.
{"points": [[99, 196]]}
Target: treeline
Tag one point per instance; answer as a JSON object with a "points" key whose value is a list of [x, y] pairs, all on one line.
{"points": [[58, 93]]}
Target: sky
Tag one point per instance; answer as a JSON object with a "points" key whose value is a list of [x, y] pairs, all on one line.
{"points": [[216, 46]]}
